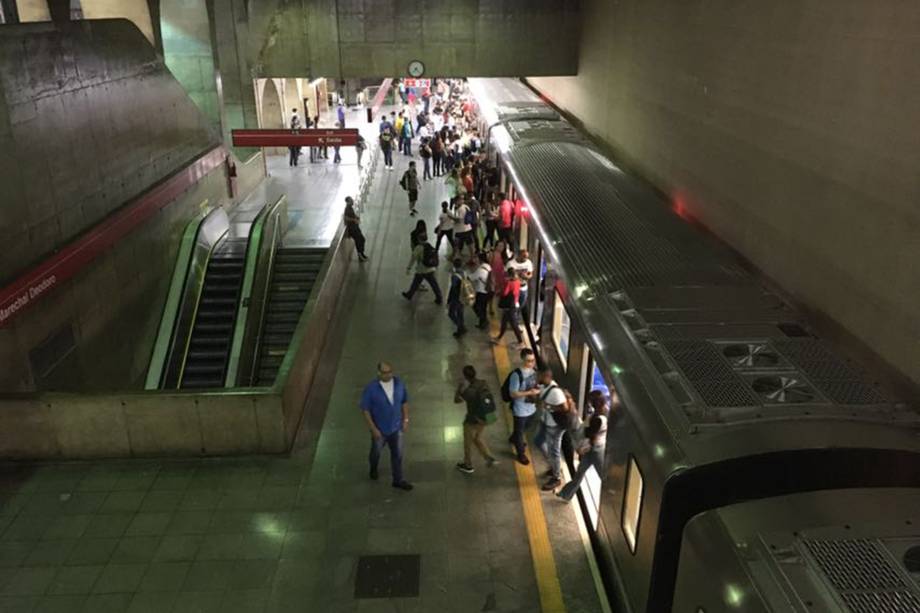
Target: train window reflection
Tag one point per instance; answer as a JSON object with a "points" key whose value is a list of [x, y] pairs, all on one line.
{"points": [[632, 504], [561, 329]]}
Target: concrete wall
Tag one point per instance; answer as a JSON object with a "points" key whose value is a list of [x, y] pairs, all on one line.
{"points": [[89, 118], [790, 129], [351, 38], [136, 11], [187, 49], [97, 123]]}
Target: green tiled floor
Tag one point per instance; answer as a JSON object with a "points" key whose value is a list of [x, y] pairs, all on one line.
{"points": [[285, 533]]}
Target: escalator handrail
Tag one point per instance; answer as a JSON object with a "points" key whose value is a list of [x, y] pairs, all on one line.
{"points": [[188, 338], [165, 341], [251, 309]]}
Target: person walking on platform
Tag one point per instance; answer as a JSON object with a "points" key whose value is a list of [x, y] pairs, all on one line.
{"points": [[509, 303], [337, 157], [386, 145], [455, 297], [353, 227], [554, 421], [445, 228], [409, 182], [424, 151], [425, 260], [490, 214], [294, 151], [524, 269], [480, 276], [437, 154], [360, 147], [593, 447], [522, 387], [407, 135], [340, 115], [385, 406], [480, 412]]}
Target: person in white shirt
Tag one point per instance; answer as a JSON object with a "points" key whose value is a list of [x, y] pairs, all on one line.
{"points": [[593, 447], [463, 231], [445, 228], [524, 269], [554, 402], [480, 275]]}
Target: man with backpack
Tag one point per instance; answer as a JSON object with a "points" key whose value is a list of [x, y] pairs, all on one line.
{"points": [[457, 294], [480, 275], [520, 389], [480, 412], [386, 145], [425, 260], [409, 182], [463, 227], [556, 417]]}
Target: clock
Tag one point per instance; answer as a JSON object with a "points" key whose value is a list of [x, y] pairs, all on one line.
{"points": [[416, 68]]}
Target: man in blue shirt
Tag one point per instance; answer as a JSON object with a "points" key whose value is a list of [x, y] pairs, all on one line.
{"points": [[385, 404], [524, 390]]}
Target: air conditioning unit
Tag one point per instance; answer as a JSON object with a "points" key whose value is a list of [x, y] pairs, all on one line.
{"points": [[784, 389], [751, 355]]}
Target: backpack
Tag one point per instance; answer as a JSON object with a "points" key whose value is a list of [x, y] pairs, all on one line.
{"points": [[470, 217], [467, 292], [429, 256], [386, 137], [485, 405], [506, 384], [565, 416]]}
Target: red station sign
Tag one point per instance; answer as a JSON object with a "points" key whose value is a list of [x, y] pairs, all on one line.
{"points": [[295, 138]]}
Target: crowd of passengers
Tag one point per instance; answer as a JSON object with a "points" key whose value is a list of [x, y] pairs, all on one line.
{"points": [[476, 225]]}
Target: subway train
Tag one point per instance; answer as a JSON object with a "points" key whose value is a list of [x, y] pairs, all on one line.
{"points": [[752, 465]]}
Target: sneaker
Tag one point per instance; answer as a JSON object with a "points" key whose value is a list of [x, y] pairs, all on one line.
{"points": [[465, 468], [552, 484], [373, 475], [403, 485], [490, 462], [406, 296], [362, 257], [439, 301], [523, 460], [547, 473]]}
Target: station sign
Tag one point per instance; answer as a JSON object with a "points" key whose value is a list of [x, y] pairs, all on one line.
{"points": [[295, 138], [420, 83]]}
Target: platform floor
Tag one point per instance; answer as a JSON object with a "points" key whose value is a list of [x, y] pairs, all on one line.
{"points": [[315, 191], [287, 533]]}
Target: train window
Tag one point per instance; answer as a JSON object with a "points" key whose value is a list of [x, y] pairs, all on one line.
{"points": [[540, 294], [562, 328], [632, 504]]}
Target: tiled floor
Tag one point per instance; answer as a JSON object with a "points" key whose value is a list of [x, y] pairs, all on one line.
{"points": [[285, 534]]}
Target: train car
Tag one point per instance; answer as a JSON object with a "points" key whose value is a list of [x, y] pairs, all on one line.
{"points": [[753, 466]]}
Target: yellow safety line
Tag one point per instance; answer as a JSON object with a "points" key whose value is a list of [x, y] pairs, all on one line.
{"points": [[544, 564]]}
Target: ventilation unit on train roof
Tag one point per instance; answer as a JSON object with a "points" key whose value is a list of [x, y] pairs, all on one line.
{"points": [[752, 355], [783, 389], [832, 569], [511, 111]]}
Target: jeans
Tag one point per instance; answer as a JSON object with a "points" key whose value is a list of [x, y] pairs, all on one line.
{"points": [[355, 233], [480, 306], [506, 234], [294, 154], [472, 435], [549, 440], [450, 238], [387, 156], [407, 146], [491, 232], [511, 318], [337, 157], [432, 283], [394, 441], [455, 312], [437, 164], [517, 434], [426, 163], [475, 227], [595, 458]]}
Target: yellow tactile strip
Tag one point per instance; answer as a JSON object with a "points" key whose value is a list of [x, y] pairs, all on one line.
{"points": [[544, 564]]}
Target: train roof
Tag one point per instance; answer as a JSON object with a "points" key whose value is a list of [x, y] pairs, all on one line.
{"points": [[680, 324]]}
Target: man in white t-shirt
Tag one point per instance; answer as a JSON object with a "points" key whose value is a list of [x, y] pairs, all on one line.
{"points": [[480, 275], [463, 231], [524, 269], [551, 400]]}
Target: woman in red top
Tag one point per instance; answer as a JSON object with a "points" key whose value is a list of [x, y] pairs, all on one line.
{"points": [[467, 177], [509, 303]]}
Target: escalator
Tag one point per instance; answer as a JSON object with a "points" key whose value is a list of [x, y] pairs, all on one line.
{"points": [[212, 333], [293, 275]]}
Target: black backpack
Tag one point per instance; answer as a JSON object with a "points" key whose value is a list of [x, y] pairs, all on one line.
{"points": [[485, 405], [429, 256], [506, 384]]}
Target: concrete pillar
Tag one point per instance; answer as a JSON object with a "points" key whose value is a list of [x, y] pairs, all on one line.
{"points": [[137, 11], [188, 53], [230, 32]]}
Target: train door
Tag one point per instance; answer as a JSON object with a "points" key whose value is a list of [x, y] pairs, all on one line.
{"points": [[591, 379], [539, 296]]}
